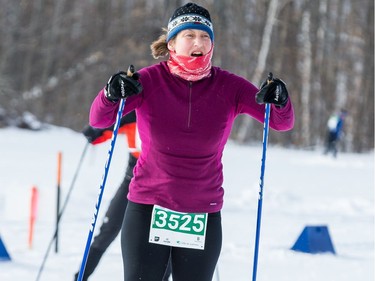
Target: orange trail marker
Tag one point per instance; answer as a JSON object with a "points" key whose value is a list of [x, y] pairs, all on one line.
{"points": [[33, 214], [59, 160]]}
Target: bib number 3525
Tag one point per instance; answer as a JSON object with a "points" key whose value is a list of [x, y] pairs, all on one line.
{"points": [[186, 230]]}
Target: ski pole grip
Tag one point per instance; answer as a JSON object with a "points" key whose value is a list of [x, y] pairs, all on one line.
{"points": [[259, 97], [269, 78], [130, 71]]}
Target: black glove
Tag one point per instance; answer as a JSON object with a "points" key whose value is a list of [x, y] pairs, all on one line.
{"points": [[122, 85], [273, 90], [91, 133]]}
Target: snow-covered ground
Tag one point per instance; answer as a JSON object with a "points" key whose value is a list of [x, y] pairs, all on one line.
{"points": [[301, 188]]}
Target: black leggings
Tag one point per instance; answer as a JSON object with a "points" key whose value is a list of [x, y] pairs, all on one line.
{"points": [[147, 261]]}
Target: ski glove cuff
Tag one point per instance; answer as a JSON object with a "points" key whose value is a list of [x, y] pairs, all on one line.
{"points": [[92, 134], [123, 85], [273, 91]]}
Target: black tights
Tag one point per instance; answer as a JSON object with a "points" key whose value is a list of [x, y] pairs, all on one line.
{"points": [[147, 261]]}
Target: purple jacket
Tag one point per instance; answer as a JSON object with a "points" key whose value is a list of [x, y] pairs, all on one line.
{"points": [[183, 127]]}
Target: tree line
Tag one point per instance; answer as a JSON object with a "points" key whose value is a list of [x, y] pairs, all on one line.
{"points": [[56, 55]]}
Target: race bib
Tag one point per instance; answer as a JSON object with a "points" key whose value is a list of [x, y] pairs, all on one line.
{"points": [[172, 228]]}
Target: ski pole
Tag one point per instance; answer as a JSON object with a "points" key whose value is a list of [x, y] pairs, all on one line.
{"points": [[104, 178], [62, 211], [261, 182]]}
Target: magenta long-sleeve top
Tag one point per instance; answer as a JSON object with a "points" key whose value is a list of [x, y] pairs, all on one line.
{"points": [[183, 127]]}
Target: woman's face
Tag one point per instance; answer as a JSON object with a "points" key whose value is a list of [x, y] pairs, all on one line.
{"points": [[191, 42]]}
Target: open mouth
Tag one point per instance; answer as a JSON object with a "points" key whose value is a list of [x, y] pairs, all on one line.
{"points": [[196, 54]]}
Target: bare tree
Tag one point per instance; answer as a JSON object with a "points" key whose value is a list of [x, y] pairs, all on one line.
{"points": [[262, 57], [306, 61]]}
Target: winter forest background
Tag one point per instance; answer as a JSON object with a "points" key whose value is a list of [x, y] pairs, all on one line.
{"points": [[56, 55]]}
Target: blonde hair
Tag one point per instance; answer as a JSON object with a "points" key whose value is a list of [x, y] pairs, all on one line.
{"points": [[159, 48]]}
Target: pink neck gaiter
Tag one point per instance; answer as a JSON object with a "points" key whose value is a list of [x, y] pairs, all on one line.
{"points": [[190, 68]]}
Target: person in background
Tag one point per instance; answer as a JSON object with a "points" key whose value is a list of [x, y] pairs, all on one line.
{"points": [[335, 125], [112, 222], [185, 111]]}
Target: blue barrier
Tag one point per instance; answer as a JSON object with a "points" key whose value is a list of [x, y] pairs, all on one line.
{"points": [[4, 255], [313, 240]]}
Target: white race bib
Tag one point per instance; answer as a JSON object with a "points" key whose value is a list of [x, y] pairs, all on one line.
{"points": [[172, 228]]}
